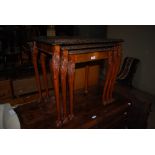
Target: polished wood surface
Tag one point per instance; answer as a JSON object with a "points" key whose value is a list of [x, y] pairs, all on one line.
{"points": [[89, 113], [108, 77], [55, 69], [65, 53], [34, 115], [71, 77], [117, 65], [86, 79], [86, 57], [64, 63], [43, 65], [35, 63]]}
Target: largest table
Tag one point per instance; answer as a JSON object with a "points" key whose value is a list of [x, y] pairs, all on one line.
{"points": [[65, 52]]}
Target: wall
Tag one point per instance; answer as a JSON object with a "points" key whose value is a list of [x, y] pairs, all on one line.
{"points": [[139, 43], [91, 31]]}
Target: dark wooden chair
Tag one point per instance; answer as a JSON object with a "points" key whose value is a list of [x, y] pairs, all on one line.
{"points": [[127, 71]]}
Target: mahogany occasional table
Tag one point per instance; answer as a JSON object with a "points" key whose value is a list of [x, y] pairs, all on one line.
{"points": [[65, 53]]}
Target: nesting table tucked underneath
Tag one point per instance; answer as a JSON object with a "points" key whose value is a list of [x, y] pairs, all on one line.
{"points": [[64, 53]]}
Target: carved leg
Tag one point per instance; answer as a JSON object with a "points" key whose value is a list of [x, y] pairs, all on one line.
{"points": [[71, 74], [86, 78], [43, 59], [64, 63], [113, 77], [54, 66], [106, 84], [34, 59], [112, 74], [118, 62]]}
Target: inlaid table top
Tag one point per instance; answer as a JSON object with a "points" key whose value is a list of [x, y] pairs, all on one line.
{"points": [[79, 45], [75, 40]]}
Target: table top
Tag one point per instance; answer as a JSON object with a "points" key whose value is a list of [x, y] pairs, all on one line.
{"points": [[77, 45], [75, 40]]}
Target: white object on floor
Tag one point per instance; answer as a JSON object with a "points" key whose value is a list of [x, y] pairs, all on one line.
{"points": [[8, 117], [93, 117]]}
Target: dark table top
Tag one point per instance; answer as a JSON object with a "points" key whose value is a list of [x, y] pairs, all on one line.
{"points": [[75, 40], [79, 45]]}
